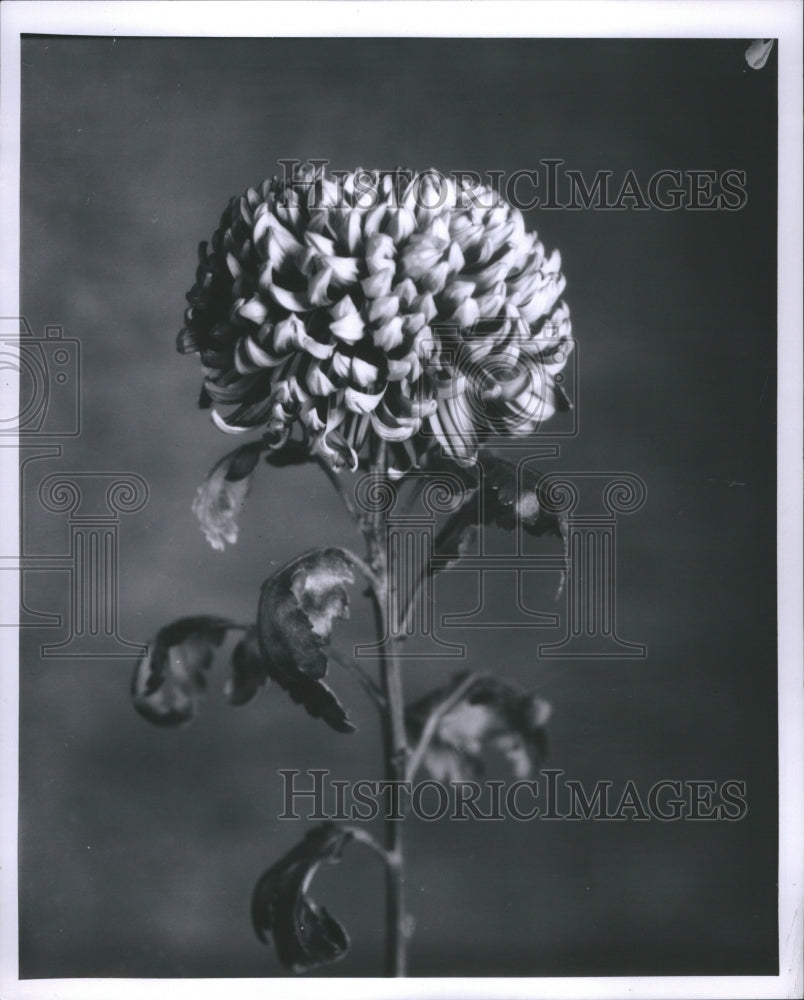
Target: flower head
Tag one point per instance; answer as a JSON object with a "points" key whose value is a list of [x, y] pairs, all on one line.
{"points": [[395, 306]]}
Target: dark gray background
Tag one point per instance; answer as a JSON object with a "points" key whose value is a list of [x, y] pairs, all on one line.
{"points": [[139, 848]]}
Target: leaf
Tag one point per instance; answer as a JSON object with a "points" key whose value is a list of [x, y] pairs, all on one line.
{"points": [[305, 934], [222, 494], [293, 452], [491, 713], [298, 606], [169, 679], [497, 499], [243, 461], [249, 671], [319, 700]]}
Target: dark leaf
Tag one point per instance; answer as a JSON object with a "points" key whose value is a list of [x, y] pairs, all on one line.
{"points": [[319, 700], [305, 934], [293, 452], [298, 606], [242, 461], [249, 671], [497, 498], [168, 680], [491, 713]]}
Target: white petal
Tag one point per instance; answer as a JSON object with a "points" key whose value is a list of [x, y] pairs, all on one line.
{"points": [[361, 402], [349, 329], [379, 284], [317, 382], [389, 335], [383, 308], [317, 287], [363, 372], [254, 310], [322, 244], [221, 424]]}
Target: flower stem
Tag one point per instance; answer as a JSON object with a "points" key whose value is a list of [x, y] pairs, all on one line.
{"points": [[381, 574], [395, 748], [395, 751]]}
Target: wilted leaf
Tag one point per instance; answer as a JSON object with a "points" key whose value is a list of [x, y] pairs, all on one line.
{"points": [[222, 494], [491, 713], [249, 670], [499, 500], [168, 680], [304, 933], [298, 606], [319, 700]]}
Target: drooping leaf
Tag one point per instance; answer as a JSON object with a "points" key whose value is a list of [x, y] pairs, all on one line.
{"points": [[319, 700], [241, 462], [293, 452], [305, 934], [221, 496], [501, 497], [492, 713], [249, 672], [170, 677], [298, 606]]}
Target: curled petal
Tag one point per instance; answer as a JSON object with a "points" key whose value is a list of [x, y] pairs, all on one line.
{"points": [[402, 223], [382, 309], [222, 425], [349, 328], [344, 270], [321, 296], [421, 258], [378, 284], [363, 372], [362, 402], [259, 357], [254, 310], [435, 278], [317, 382], [389, 335]]}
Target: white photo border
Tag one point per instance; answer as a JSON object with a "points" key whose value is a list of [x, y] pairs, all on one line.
{"points": [[780, 19]]}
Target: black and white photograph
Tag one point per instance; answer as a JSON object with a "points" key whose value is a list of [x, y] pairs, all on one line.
{"points": [[401, 442]]}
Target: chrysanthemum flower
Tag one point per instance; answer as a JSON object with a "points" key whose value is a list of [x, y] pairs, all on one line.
{"points": [[392, 306]]}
